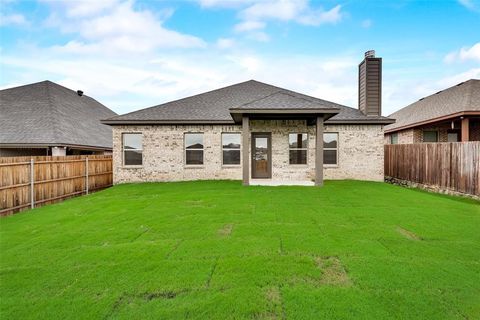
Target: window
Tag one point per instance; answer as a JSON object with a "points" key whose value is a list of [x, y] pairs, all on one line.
{"points": [[394, 138], [194, 148], [298, 148], [330, 148], [452, 136], [430, 136], [231, 148], [132, 149]]}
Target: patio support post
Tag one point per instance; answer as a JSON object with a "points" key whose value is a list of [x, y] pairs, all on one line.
{"points": [[32, 185], [319, 153], [245, 149], [465, 130], [86, 174]]}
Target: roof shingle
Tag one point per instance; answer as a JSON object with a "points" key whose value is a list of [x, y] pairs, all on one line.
{"points": [[48, 113], [464, 96], [214, 106]]}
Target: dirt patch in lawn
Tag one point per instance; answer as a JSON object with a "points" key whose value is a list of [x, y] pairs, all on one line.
{"points": [[273, 295], [274, 304], [409, 234], [333, 272], [226, 230]]}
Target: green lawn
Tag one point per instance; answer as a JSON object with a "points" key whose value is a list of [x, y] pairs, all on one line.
{"points": [[217, 250]]}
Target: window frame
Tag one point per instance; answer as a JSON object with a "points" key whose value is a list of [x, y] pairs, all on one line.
{"points": [[423, 136], [185, 150], [231, 149], [297, 149], [336, 150], [123, 151], [393, 134]]}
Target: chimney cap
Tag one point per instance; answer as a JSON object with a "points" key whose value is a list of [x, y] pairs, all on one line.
{"points": [[370, 54], [80, 92]]}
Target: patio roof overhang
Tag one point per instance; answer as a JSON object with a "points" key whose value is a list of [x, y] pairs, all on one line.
{"points": [[310, 115]]}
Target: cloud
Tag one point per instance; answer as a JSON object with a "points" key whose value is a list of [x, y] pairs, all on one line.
{"points": [[224, 3], [249, 26], [86, 8], [254, 14], [126, 84], [225, 43], [121, 29], [291, 10], [12, 19], [464, 54], [470, 4], [319, 17]]}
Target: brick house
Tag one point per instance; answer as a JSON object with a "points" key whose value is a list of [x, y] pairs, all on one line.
{"points": [[450, 115], [255, 132]]}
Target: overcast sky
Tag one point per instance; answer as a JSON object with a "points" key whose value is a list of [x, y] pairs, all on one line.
{"points": [[134, 54]]}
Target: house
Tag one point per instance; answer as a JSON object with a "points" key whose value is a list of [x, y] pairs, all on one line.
{"points": [[256, 132], [45, 118], [449, 115]]}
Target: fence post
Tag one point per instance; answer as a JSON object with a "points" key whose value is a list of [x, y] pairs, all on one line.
{"points": [[32, 185], [86, 174]]}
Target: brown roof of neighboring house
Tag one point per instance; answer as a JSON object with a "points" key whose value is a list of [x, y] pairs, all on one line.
{"points": [[46, 113], [461, 99], [216, 106]]}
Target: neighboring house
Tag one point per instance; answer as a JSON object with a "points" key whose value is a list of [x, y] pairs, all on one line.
{"points": [[449, 115], [45, 118], [256, 132]]}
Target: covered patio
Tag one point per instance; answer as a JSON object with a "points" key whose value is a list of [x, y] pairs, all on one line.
{"points": [[259, 166]]}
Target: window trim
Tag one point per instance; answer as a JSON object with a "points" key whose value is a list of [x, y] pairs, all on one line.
{"points": [[185, 151], [423, 136], [297, 149], [222, 149], [336, 149], [123, 151]]}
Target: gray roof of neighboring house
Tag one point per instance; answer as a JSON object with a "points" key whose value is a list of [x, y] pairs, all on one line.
{"points": [[46, 113], [463, 97], [214, 106]]}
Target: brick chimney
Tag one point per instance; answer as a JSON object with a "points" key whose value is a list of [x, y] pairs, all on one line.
{"points": [[370, 85]]}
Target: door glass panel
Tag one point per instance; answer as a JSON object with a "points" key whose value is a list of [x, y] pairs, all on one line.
{"points": [[260, 156], [261, 149]]}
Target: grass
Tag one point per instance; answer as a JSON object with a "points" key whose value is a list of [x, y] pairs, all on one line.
{"points": [[217, 250]]}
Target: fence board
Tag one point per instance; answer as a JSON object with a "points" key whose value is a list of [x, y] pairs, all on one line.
{"points": [[55, 178], [451, 166]]}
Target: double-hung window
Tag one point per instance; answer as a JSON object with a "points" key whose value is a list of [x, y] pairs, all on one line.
{"points": [[194, 148], [231, 148], [297, 143], [330, 148], [132, 149]]}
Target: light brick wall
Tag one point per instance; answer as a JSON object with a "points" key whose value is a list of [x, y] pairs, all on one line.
{"points": [[405, 136], [360, 153]]}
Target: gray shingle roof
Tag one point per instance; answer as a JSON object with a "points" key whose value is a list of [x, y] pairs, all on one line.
{"points": [[464, 96], [214, 106], [281, 100], [46, 113]]}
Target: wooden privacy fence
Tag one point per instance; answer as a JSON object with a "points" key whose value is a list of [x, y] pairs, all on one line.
{"points": [[453, 166], [29, 182]]}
